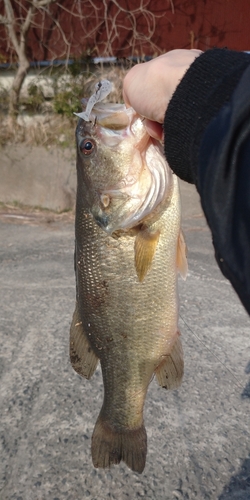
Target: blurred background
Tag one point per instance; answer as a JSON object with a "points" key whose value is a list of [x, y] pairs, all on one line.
{"points": [[51, 52]]}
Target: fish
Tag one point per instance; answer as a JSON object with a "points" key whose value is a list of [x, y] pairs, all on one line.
{"points": [[129, 248]]}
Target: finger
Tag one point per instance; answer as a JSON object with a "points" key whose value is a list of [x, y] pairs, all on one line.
{"points": [[154, 129], [126, 99]]}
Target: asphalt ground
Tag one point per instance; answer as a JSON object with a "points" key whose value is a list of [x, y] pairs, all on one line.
{"points": [[198, 436]]}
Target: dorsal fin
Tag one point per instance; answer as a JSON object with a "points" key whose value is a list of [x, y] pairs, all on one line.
{"points": [[181, 256]]}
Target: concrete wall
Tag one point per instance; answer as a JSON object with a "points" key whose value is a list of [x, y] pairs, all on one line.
{"points": [[44, 79], [38, 176], [46, 178]]}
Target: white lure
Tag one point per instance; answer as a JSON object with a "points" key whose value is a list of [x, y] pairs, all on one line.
{"points": [[102, 90]]}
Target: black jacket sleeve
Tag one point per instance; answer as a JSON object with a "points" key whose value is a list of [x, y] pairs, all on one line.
{"points": [[207, 142]]}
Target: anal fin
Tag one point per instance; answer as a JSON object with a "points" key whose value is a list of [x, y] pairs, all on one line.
{"points": [[82, 356], [169, 373]]}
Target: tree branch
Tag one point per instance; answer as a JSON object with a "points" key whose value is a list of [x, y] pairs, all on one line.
{"points": [[10, 24], [42, 3], [26, 25], [3, 20]]}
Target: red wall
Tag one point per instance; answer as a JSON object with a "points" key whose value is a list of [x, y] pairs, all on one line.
{"points": [[178, 24], [210, 23]]}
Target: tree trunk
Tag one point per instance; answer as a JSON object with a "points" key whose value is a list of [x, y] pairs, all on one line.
{"points": [[15, 90]]}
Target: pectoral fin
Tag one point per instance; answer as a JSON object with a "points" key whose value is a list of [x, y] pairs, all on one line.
{"points": [[170, 372], [82, 357], [181, 256], [145, 247]]}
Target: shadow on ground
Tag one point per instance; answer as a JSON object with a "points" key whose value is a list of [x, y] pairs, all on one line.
{"points": [[239, 486]]}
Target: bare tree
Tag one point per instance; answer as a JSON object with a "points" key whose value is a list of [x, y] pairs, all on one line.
{"points": [[51, 29], [18, 27]]}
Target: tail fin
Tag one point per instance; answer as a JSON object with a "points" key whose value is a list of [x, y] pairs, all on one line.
{"points": [[110, 446]]}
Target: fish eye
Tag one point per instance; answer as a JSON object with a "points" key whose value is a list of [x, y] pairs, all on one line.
{"points": [[87, 146]]}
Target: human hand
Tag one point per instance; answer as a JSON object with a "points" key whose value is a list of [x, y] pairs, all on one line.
{"points": [[148, 87]]}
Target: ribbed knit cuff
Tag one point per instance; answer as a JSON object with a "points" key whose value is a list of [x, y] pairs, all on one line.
{"points": [[206, 87]]}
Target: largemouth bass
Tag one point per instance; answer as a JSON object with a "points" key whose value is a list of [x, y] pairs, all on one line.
{"points": [[129, 247]]}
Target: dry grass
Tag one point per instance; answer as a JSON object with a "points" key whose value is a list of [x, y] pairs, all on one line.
{"points": [[53, 129]]}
